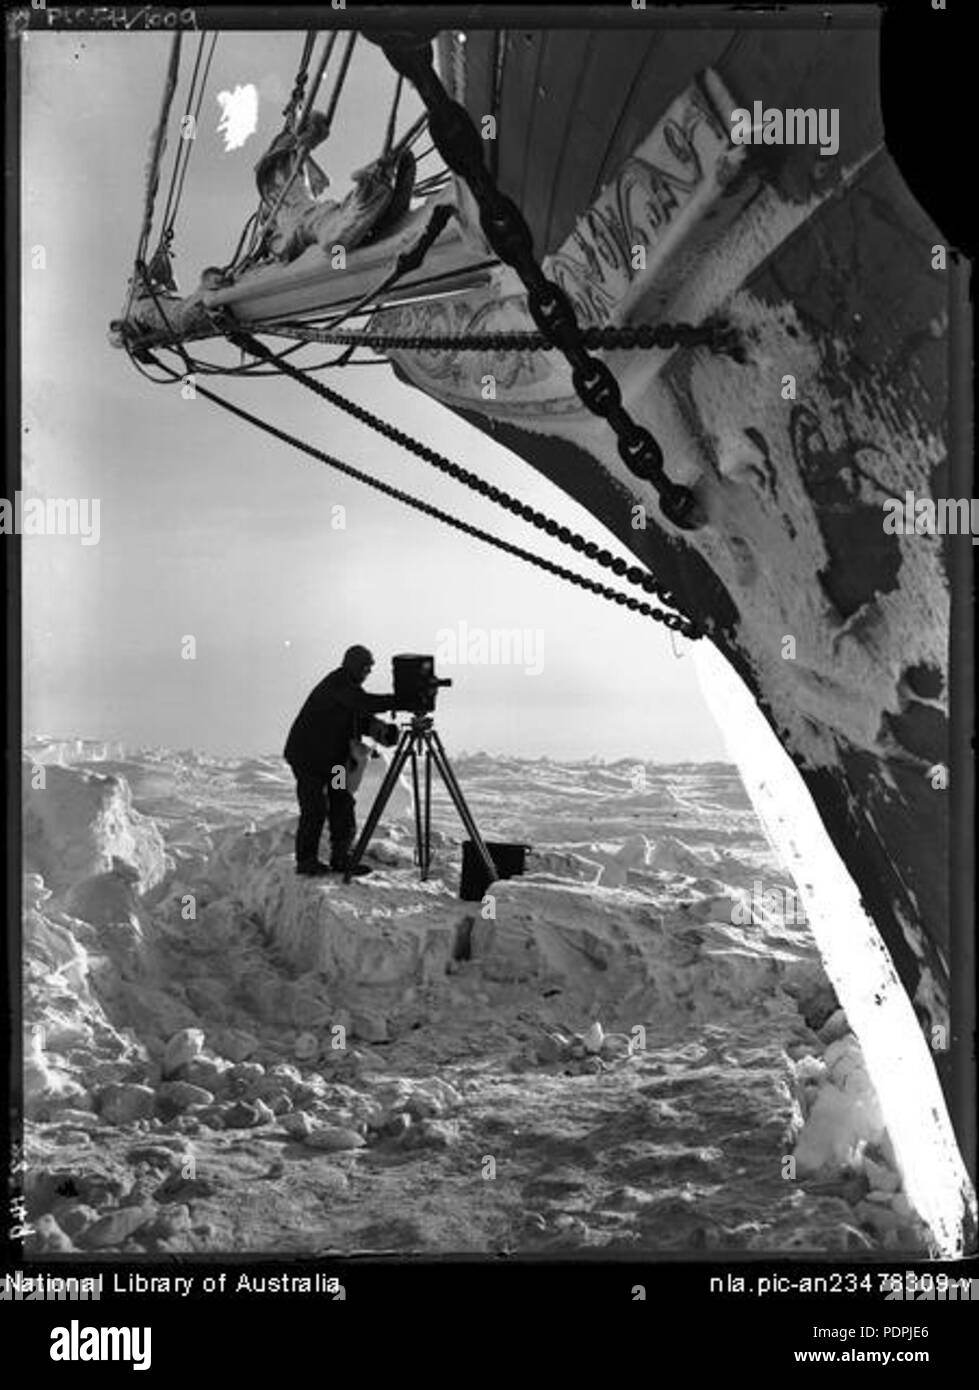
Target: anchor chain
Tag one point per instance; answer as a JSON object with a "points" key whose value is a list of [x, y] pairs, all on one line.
{"points": [[674, 621], [456, 138], [633, 574], [631, 337]]}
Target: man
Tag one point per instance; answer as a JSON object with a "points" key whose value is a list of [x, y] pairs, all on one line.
{"points": [[337, 712]]}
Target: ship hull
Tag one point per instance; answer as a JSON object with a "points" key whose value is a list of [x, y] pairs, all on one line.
{"points": [[847, 303]]}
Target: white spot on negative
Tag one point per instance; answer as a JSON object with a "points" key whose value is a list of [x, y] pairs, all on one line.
{"points": [[239, 115]]}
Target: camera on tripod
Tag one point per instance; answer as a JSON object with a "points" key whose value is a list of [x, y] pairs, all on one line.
{"points": [[415, 683], [415, 688]]}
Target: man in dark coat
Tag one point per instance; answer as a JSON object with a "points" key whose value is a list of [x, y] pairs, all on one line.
{"points": [[318, 750]]}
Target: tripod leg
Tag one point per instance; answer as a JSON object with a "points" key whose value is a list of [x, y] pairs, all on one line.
{"points": [[380, 801], [428, 808], [455, 791], [419, 844]]}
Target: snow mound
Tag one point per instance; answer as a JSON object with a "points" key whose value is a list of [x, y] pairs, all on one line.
{"points": [[108, 897], [842, 1113], [673, 855], [77, 824], [613, 948]]}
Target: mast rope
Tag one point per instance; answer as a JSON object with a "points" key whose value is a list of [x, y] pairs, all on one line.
{"points": [[317, 79], [672, 621], [299, 85], [264, 224], [458, 141], [392, 118], [311, 98], [190, 141], [289, 124], [198, 365], [634, 574], [181, 144], [157, 146], [341, 77], [186, 142]]}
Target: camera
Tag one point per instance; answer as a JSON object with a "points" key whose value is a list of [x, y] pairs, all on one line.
{"points": [[415, 683]]}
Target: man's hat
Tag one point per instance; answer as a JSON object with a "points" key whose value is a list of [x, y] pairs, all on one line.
{"points": [[355, 657]]}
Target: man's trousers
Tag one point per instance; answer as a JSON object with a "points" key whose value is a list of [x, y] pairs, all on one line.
{"points": [[319, 801]]}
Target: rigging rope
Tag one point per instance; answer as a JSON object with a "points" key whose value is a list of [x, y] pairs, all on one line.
{"points": [[454, 136], [254, 222], [187, 142], [633, 574], [392, 119], [407, 261], [302, 152], [341, 77], [670, 620], [317, 79], [190, 140], [299, 86], [251, 369], [181, 144], [157, 146]]}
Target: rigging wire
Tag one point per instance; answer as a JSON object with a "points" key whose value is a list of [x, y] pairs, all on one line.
{"points": [[406, 262], [299, 85], [341, 77], [257, 226], [311, 98], [289, 124], [277, 363], [392, 119], [181, 163], [250, 224], [317, 79], [670, 620], [255, 369], [435, 184], [634, 574], [191, 140], [302, 152], [181, 147], [157, 146], [252, 369]]}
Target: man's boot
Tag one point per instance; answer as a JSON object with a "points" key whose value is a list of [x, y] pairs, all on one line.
{"points": [[340, 861], [313, 868]]}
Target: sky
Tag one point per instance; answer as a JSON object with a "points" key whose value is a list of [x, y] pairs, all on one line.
{"points": [[211, 530]]}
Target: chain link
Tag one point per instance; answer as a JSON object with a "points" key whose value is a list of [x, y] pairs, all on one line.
{"points": [[629, 337], [456, 138]]}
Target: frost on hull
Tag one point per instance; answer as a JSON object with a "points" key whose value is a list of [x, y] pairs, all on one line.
{"points": [[826, 267]]}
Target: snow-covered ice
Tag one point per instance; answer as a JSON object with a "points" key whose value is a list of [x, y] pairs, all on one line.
{"points": [[656, 1063]]}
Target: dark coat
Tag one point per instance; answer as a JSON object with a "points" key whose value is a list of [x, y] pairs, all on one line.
{"points": [[336, 711]]}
